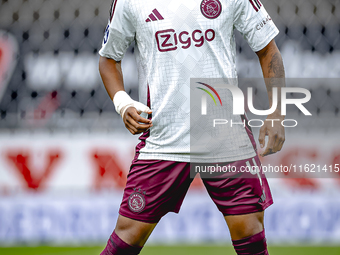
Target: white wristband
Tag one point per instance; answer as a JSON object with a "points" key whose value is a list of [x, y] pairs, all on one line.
{"points": [[122, 101]]}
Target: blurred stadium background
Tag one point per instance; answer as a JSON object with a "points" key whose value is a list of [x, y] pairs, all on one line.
{"points": [[64, 151]]}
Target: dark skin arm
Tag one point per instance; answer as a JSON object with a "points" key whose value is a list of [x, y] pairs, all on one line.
{"points": [[274, 74], [112, 76]]}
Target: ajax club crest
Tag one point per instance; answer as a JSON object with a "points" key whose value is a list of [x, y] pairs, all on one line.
{"points": [[136, 202], [211, 9]]}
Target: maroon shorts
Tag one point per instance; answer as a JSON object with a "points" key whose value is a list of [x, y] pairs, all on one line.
{"points": [[156, 187]]}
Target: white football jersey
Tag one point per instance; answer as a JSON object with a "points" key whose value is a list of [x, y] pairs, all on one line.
{"points": [[177, 40]]}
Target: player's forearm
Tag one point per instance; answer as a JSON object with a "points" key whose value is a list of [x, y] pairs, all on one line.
{"points": [[112, 76], [129, 109], [273, 72]]}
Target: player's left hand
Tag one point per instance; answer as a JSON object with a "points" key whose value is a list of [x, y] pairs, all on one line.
{"points": [[134, 122], [276, 135]]}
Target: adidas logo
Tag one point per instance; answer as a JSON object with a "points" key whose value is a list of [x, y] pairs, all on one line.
{"points": [[155, 15]]}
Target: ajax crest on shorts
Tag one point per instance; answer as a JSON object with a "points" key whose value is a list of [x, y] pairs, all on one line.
{"points": [[136, 202]]}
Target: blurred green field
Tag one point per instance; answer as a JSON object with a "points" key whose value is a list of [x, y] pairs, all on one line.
{"points": [[170, 250]]}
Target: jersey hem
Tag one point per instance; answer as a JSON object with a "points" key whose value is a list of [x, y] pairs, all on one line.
{"points": [[188, 158]]}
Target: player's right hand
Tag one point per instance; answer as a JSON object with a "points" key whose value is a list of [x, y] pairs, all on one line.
{"points": [[134, 122], [130, 111]]}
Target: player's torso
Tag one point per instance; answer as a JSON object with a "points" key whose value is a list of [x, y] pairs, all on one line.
{"points": [[178, 40]]}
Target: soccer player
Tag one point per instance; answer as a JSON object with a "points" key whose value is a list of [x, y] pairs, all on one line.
{"points": [[175, 41]]}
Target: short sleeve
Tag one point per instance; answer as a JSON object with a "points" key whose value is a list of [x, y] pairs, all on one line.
{"points": [[119, 32], [254, 23]]}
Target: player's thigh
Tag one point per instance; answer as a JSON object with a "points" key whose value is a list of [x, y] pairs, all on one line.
{"points": [[133, 232], [241, 226]]}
